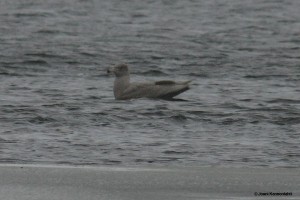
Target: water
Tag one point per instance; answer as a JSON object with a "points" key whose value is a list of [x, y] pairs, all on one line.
{"points": [[57, 104]]}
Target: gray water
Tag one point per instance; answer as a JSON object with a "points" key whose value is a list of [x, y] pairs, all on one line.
{"points": [[57, 104]]}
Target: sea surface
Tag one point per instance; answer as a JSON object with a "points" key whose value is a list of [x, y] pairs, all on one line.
{"points": [[57, 104]]}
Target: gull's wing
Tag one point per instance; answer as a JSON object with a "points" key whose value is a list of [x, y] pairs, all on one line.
{"points": [[161, 89]]}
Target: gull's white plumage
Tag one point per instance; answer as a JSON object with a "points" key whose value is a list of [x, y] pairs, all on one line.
{"points": [[124, 89]]}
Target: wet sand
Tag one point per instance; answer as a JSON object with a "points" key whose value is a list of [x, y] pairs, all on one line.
{"points": [[120, 183]]}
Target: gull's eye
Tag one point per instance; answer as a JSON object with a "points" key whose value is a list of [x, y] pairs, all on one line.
{"points": [[123, 67]]}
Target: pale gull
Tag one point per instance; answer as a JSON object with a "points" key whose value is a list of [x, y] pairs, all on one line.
{"points": [[124, 89]]}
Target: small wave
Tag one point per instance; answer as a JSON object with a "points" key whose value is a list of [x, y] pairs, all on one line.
{"points": [[287, 120], [7, 73], [202, 75], [89, 54], [111, 162], [35, 62], [265, 76], [138, 15], [72, 62], [175, 152], [30, 69], [155, 144], [45, 55], [201, 113], [54, 105], [32, 14], [41, 120], [231, 105], [179, 118], [21, 15], [48, 31], [154, 72], [144, 160], [8, 141], [50, 92], [269, 109], [18, 109], [156, 57], [289, 101], [230, 121], [93, 97]]}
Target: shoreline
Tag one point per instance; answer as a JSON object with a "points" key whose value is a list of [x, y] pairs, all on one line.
{"points": [[18, 181]]}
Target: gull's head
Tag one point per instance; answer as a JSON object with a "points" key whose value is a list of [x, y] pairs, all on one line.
{"points": [[119, 70]]}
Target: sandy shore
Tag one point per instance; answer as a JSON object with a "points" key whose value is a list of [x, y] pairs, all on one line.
{"points": [[116, 183]]}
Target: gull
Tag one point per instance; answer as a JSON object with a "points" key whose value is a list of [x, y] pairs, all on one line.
{"points": [[124, 89]]}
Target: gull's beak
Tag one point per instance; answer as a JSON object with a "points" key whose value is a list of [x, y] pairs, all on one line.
{"points": [[110, 70]]}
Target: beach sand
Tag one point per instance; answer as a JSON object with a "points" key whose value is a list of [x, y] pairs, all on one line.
{"points": [[125, 183]]}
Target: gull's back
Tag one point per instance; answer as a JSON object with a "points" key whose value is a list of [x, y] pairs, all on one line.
{"points": [[157, 90]]}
